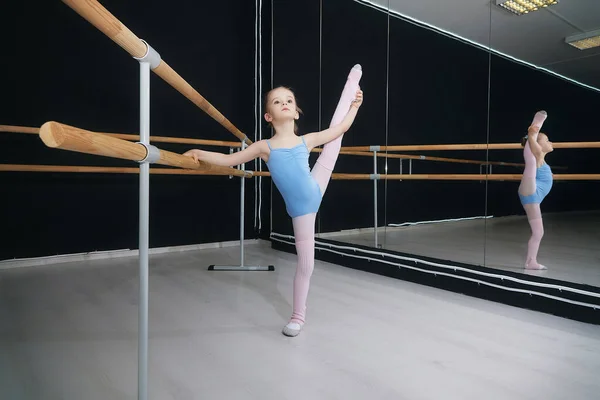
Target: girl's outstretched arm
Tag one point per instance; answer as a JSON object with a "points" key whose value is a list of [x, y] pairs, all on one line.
{"points": [[257, 149]]}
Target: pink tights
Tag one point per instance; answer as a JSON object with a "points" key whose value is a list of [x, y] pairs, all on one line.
{"points": [[534, 214], [304, 225]]}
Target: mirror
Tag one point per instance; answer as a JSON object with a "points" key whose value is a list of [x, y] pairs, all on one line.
{"points": [[438, 96], [422, 87], [448, 99], [555, 225]]}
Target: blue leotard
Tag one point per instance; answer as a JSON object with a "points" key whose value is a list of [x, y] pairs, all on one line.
{"points": [[543, 184], [291, 175]]}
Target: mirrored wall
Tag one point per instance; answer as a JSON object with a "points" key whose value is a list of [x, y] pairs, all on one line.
{"points": [[550, 216], [449, 96]]}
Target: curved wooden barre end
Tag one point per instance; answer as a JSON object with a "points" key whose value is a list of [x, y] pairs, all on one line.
{"points": [[65, 137], [52, 134]]}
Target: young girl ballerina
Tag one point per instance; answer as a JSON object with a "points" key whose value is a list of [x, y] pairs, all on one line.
{"points": [[302, 189], [535, 184]]}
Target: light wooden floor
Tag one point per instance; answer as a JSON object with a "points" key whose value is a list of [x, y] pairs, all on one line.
{"points": [[69, 332], [570, 247]]}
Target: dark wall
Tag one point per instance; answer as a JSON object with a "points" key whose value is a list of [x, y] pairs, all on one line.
{"points": [[66, 70]]}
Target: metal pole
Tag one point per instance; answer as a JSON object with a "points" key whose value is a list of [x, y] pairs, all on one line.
{"points": [[242, 201], [144, 234], [241, 267], [150, 60], [400, 166], [375, 193], [231, 152]]}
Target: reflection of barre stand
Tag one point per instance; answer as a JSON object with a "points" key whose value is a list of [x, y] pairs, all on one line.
{"points": [[241, 267], [375, 177]]}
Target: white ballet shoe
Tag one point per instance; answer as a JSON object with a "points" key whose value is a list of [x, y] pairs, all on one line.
{"points": [[535, 267], [292, 329]]}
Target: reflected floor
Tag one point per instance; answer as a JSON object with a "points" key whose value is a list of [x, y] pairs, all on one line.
{"points": [[70, 332], [570, 247]]}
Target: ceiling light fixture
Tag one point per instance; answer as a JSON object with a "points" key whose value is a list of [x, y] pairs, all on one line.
{"points": [[521, 7], [584, 41]]}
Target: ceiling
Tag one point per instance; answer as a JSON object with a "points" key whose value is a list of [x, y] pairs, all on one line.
{"points": [[537, 38]]}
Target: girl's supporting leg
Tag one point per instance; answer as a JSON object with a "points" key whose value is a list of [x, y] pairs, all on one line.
{"points": [[304, 232], [534, 215]]}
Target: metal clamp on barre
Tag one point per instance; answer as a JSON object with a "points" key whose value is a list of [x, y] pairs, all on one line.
{"points": [[152, 154], [374, 177], [374, 148], [242, 167], [151, 57], [231, 152]]}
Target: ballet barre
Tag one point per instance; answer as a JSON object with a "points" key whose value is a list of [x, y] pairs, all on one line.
{"points": [[480, 146], [428, 158], [335, 176], [65, 137], [220, 143], [460, 177], [124, 136], [179, 140]]}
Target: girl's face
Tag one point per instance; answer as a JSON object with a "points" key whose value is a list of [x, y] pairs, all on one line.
{"points": [[545, 143], [281, 105]]}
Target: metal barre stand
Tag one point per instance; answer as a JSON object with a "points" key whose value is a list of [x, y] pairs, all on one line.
{"points": [[241, 267], [150, 60]]}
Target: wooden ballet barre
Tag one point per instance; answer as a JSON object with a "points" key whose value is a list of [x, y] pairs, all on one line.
{"points": [[429, 158], [336, 176], [124, 136], [19, 129], [463, 177], [101, 18], [261, 173], [491, 146], [97, 170], [442, 159], [65, 137]]}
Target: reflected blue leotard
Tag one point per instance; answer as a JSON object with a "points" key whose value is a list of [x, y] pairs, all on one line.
{"points": [[543, 183], [291, 174]]}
